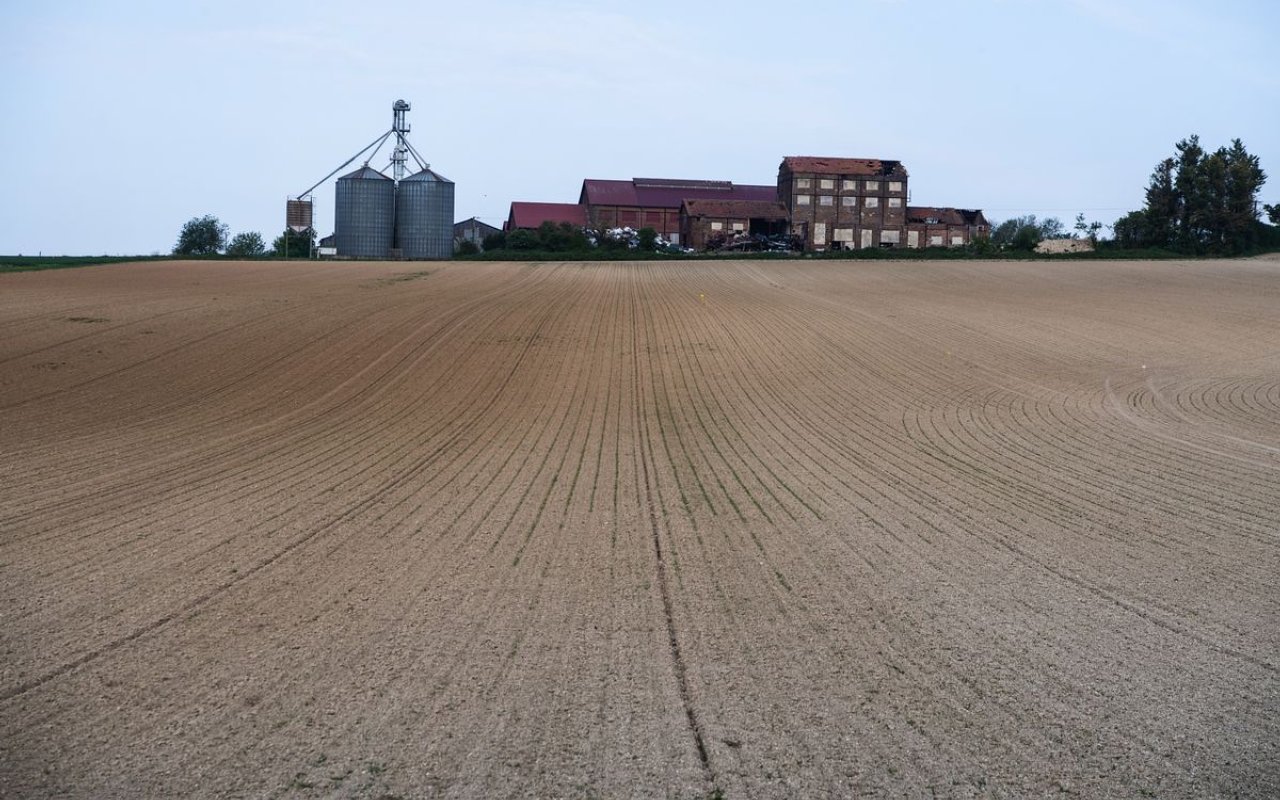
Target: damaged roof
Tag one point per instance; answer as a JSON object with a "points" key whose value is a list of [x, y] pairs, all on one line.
{"points": [[667, 192], [930, 215], [863, 167], [743, 209]]}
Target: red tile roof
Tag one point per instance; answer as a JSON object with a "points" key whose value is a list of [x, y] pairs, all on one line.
{"points": [[745, 209], [869, 167], [531, 215], [667, 192]]}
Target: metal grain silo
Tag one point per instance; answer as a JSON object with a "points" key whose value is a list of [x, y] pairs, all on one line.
{"points": [[364, 214], [424, 216]]}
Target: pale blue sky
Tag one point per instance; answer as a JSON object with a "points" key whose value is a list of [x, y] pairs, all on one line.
{"points": [[121, 120]]}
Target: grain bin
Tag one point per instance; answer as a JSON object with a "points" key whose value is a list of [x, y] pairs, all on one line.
{"points": [[424, 216], [364, 214]]}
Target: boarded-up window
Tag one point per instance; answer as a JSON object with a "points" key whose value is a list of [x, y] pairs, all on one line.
{"points": [[913, 238], [849, 186], [873, 202], [803, 183], [804, 199], [674, 238], [895, 186], [873, 186], [889, 237], [738, 226], [826, 200], [827, 183], [717, 226], [820, 233], [848, 201], [935, 241], [957, 241], [866, 237], [895, 202], [843, 234]]}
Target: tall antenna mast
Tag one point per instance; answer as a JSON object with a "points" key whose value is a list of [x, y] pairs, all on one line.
{"points": [[400, 154]]}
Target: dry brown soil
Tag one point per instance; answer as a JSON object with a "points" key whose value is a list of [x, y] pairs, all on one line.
{"points": [[652, 530]]}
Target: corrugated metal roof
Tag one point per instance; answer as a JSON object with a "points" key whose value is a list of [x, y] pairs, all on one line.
{"points": [[667, 192], [427, 175], [531, 215], [867, 167], [757, 209], [364, 174]]}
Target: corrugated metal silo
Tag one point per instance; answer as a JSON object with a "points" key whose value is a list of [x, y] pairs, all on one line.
{"points": [[364, 214], [424, 216]]}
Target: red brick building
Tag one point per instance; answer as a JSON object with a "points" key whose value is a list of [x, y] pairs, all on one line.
{"points": [[655, 202], [703, 221], [844, 203], [944, 227]]}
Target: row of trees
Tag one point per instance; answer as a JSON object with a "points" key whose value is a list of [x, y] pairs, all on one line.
{"points": [[207, 235], [1024, 233], [550, 237], [1197, 202], [1201, 202]]}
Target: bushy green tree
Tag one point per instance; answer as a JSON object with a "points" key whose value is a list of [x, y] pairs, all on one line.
{"points": [[561, 237], [494, 241], [294, 244], [522, 239], [466, 247], [246, 245], [201, 236], [1088, 230], [648, 239], [1199, 202], [1024, 233]]}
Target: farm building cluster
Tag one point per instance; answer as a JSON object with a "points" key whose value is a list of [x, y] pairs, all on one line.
{"points": [[821, 203]]}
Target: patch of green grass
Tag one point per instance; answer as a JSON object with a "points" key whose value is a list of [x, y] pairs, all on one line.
{"points": [[34, 263]]}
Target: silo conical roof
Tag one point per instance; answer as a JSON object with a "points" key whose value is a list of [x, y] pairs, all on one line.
{"points": [[427, 175], [364, 174]]}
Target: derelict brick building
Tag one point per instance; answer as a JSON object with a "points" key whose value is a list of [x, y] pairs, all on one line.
{"points": [[844, 203], [705, 221], [826, 203]]}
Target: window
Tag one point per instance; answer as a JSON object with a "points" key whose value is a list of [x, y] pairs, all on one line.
{"points": [[826, 200], [674, 238], [820, 233], [895, 186], [803, 183], [827, 183], [849, 186], [873, 186], [804, 200], [848, 201], [935, 241], [843, 235], [872, 202], [717, 226], [895, 202], [957, 241], [889, 237], [738, 226]]}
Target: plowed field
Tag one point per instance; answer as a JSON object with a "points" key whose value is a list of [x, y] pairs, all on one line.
{"points": [[657, 530]]}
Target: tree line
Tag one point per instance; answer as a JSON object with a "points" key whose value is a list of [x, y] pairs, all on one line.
{"points": [[207, 236], [1201, 202]]}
